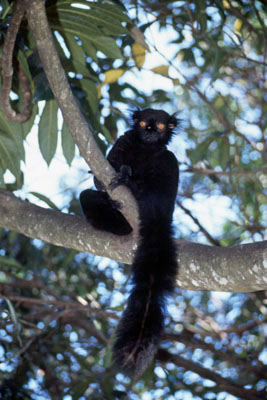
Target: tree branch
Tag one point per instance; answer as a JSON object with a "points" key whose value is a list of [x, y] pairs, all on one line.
{"points": [[212, 240], [190, 340], [222, 383], [233, 269], [7, 70], [73, 117], [205, 171], [238, 269]]}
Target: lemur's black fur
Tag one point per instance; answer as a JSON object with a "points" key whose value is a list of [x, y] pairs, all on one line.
{"points": [[151, 172]]}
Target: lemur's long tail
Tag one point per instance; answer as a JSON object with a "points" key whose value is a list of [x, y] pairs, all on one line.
{"points": [[154, 269]]}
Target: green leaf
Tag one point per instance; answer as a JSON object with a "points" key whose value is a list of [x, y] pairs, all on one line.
{"points": [[9, 157], [90, 90], [89, 21], [68, 145], [119, 3], [42, 197], [12, 312], [2, 185], [75, 27], [27, 126], [106, 133], [200, 152], [17, 324], [9, 263], [24, 63], [224, 153], [218, 61], [203, 21], [48, 131], [108, 46], [89, 49], [89, 25], [109, 10], [14, 131], [78, 59], [5, 9]]}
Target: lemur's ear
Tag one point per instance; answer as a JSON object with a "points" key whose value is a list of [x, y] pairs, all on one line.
{"points": [[135, 116], [173, 121]]}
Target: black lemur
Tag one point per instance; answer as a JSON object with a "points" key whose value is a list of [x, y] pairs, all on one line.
{"points": [[151, 172]]}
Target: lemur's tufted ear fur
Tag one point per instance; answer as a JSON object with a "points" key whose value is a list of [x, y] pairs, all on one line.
{"points": [[135, 116], [173, 121]]}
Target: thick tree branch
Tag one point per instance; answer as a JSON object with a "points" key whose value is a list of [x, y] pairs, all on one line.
{"points": [[201, 267], [77, 125], [238, 269]]}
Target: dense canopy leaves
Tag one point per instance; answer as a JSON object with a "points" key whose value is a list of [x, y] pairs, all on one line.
{"points": [[206, 60]]}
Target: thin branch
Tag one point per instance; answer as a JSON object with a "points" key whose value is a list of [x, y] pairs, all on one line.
{"points": [[223, 383], [189, 339], [25, 283], [260, 19], [22, 350], [193, 168], [213, 241], [219, 116], [242, 55], [245, 20], [7, 69], [30, 300], [67, 315], [88, 327]]}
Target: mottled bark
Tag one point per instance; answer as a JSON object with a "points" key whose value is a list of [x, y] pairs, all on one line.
{"points": [[237, 269], [240, 268], [72, 115]]}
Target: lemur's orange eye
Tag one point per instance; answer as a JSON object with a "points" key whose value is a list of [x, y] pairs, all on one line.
{"points": [[142, 124], [161, 126]]}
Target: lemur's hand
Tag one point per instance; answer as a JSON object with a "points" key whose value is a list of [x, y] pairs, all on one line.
{"points": [[122, 178]]}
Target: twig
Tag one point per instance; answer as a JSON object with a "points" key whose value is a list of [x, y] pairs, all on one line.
{"points": [[205, 171], [259, 18], [223, 383], [196, 221], [220, 117], [23, 350], [245, 21], [189, 339], [22, 299], [7, 69], [191, 86]]}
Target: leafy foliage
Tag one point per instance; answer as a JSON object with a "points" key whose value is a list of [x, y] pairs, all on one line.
{"points": [[58, 308]]}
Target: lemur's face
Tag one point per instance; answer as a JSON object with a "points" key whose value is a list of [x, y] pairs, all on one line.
{"points": [[154, 126]]}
